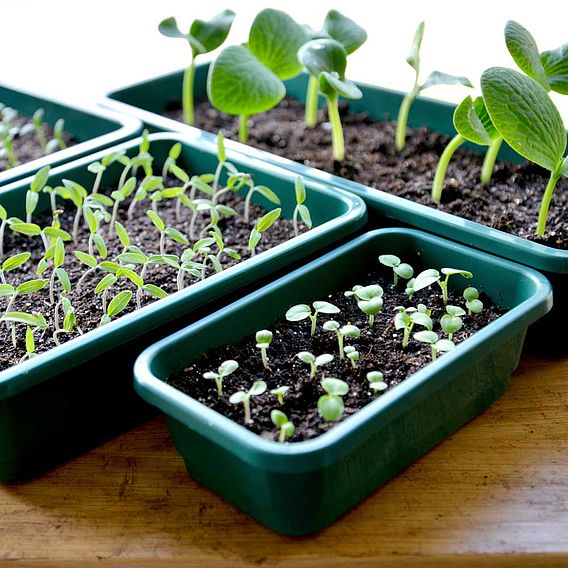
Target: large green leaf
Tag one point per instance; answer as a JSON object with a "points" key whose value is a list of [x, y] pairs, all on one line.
{"points": [[473, 122], [274, 40], [321, 55], [239, 84], [344, 30], [555, 64], [523, 49], [525, 116]]}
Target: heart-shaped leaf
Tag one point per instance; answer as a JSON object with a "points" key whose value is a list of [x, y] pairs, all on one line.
{"points": [[525, 116], [238, 83], [344, 30], [274, 40]]}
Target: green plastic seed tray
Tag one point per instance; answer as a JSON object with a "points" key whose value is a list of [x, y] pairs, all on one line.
{"points": [[92, 129], [144, 100], [299, 488], [62, 400]]}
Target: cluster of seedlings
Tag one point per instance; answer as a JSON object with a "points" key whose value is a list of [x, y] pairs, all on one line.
{"points": [[84, 248], [249, 79], [16, 130], [413, 324]]}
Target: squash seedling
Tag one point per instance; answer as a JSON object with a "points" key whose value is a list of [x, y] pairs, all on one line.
{"points": [[263, 340], [202, 38], [399, 268], [473, 124], [300, 210], [370, 301], [376, 382], [286, 428], [257, 388], [350, 35], [451, 321], [535, 131], [407, 318], [224, 370], [438, 345], [58, 140], [431, 275], [352, 354], [472, 302], [326, 61], [301, 312], [435, 78], [248, 80], [279, 393], [313, 361], [330, 405], [342, 332]]}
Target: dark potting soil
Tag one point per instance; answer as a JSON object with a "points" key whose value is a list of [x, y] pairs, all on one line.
{"points": [[27, 147], [87, 304], [379, 347], [510, 202]]}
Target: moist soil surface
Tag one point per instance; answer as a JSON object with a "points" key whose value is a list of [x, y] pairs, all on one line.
{"points": [[87, 304], [379, 347], [510, 202], [27, 147]]}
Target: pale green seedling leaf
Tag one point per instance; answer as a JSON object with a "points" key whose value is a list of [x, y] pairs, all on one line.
{"points": [[31, 286], [298, 312], [15, 261], [119, 303], [344, 30], [439, 78], [413, 57]]}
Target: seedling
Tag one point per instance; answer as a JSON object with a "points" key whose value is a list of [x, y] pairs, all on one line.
{"points": [[119, 196], [203, 37], [37, 123], [399, 268], [27, 288], [225, 369], [164, 231], [313, 361], [370, 301], [261, 226], [407, 318], [473, 124], [547, 67], [69, 319], [409, 290], [170, 161], [13, 262], [535, 131], [431, 275], [33, 321], [301, 312], [32, 196], [286, 428], [301, 210], [58, 141], [435, 78], [116, 306], [438, 345], [330, 405], [279, 393], [350, 35], [352, 355], [258, 388], [326, 61], [342, 332], [376, 382], [451, 321], [472, 302], [146, 187], [263, 340]]}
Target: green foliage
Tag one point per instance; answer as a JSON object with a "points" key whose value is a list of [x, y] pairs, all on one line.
{"points": [[286, 428], [261, 226], [300, 312], [351, 331], [451, 321], [376, 382], [225, 369], [263, 340], [472, 302], [301, 210], [407, 318], [313, 361], [399, 268], [330, 405], [279, 393], [257, 388], [438, 345]]}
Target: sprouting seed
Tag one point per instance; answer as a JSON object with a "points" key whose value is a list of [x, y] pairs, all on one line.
{"points": [[286, 428], [225, 369], [263, 339], [279, 393], [399, 268], [472, 302], [258, 388], [348, 330], [302, 311], [438, 345], [451, 321], [352, 354], [376, 381], [330, 405], [313, 361]]}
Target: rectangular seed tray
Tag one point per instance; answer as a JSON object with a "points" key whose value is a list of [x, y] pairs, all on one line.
{"points": [[93, 129], [73, 395], [299, 488], [144, 100]]}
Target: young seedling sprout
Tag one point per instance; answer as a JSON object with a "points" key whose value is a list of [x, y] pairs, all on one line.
{"points": [[279, 393], [37, 123], [301, 312], [326, 61], [170, 232], [248, 79], [58, 141], [286, 428], [203, 37], [472, 302], [261, 226], [350, 35], [407, 318], [69, 319], [435, 78], [352, 354], [473, 124], [376, 382], [370, 301], [536, 130], [330, 405], [225, 369], [266, 192], [399, 268], [438, 345], [263, 340], [451, 321], [258, 388], [313, 361], [431, 275], [32, 322], [301, 210], [13, 262], [116, 306], [342, 332], [32, 196]]}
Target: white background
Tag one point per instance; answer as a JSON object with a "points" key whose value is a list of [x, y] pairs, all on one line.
{"points": [[78, 50]]}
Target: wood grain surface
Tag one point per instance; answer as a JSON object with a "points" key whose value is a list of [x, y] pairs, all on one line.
{"points": [[495, 494]]}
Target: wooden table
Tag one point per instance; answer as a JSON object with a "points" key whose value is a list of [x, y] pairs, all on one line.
{"points": [[495, 493]]}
